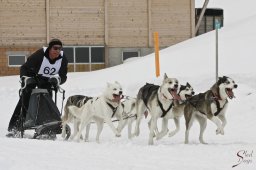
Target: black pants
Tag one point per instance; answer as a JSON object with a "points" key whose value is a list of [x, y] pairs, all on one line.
{"points": [[24, 100]]}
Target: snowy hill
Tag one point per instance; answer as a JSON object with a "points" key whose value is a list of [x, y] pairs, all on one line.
{"points": [[191, 61]]}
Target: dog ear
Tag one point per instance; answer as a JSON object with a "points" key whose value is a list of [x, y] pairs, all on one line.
{"points": [[165, 76], [225, 78], [222, 80], [117, 82], [188, 85], [182, 87]]}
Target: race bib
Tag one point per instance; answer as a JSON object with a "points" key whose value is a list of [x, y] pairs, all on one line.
{"points": [[47, 69]]}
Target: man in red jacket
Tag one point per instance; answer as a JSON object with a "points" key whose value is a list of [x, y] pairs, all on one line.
{"points": [[48, 68]]}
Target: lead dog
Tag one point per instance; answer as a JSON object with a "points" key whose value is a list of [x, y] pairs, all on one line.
{"points": [[101, 109], [210, 105], [158, 100]]}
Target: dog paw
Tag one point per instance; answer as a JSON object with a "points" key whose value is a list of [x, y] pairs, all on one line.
{"points": [[136, 134], [203, 142], [219, 131], [171, 134], [222, 131], [132, 136], [151, 143], [118, 135]]}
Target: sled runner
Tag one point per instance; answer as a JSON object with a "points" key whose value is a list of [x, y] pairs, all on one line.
{"points": [[42, 114]]}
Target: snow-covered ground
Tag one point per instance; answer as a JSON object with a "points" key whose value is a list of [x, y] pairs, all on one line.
{"points": [[192, 61]]}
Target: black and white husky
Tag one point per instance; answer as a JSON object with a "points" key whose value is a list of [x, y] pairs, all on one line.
{"points": [[210, 105], [158, 101]]}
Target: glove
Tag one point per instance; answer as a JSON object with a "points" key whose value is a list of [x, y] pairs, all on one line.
{"points": [[55, 81], [27, 82]]}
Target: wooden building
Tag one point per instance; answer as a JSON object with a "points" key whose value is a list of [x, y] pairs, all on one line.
{"points": [[95, 33]]}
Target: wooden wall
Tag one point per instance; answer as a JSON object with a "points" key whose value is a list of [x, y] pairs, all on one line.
{"points": [[77, 22], [116, 23], [22, 23], [110, 23], [172, 19], [127, 23]]}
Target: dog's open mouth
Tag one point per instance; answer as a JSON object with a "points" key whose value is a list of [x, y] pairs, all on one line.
{"points": [[230, 93], [188, 96], [117, 98], [174, 94]]}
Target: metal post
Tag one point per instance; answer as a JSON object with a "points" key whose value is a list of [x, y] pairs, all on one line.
{"points": [[201, 16], [217, 26], [217, 55]]}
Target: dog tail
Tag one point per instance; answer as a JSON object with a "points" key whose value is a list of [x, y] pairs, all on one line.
{"points": [[65, 115]]}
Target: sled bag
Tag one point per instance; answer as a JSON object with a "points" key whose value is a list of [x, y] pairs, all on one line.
{"points": [[41, 109]]}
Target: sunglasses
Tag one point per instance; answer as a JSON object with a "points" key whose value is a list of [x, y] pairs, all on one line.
{"points": [[57, 48]]}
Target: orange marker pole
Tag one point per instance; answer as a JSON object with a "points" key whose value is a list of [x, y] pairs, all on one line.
{"points": [[156, 42]]}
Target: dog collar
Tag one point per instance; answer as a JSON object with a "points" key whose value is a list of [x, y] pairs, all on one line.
{"points": [[216, 96]]}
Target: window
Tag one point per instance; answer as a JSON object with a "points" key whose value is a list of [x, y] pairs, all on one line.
{"points": [[82, 55], [85, 54], [69, 53], [16, 60], [97, 55], [129, 54]]}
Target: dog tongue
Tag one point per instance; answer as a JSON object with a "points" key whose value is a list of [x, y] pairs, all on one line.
{"points": [[230, 93], [117, 98], [146, 114], [175, 95]]}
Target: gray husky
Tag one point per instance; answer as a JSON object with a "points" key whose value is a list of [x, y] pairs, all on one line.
{"points": [[210, 105], [158, 101]]}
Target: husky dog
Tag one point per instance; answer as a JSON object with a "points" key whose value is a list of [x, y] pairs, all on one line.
{"points": [[158, 100], [78, 101], [185, 93], [101, 109], [210, 105], [129, 114]]}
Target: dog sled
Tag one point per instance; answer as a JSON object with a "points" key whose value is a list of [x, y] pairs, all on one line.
{"points": [[42, 115]]}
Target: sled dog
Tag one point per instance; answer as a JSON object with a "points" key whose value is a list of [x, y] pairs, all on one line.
{"points": [[185, 93], [211, 105], [158, 101], [78, 101], [129, 114], [100, 109]]}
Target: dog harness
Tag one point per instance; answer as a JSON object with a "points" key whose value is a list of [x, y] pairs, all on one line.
{"points": [[114, 109], [215, 98], [148, 91], [162, 108]]}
